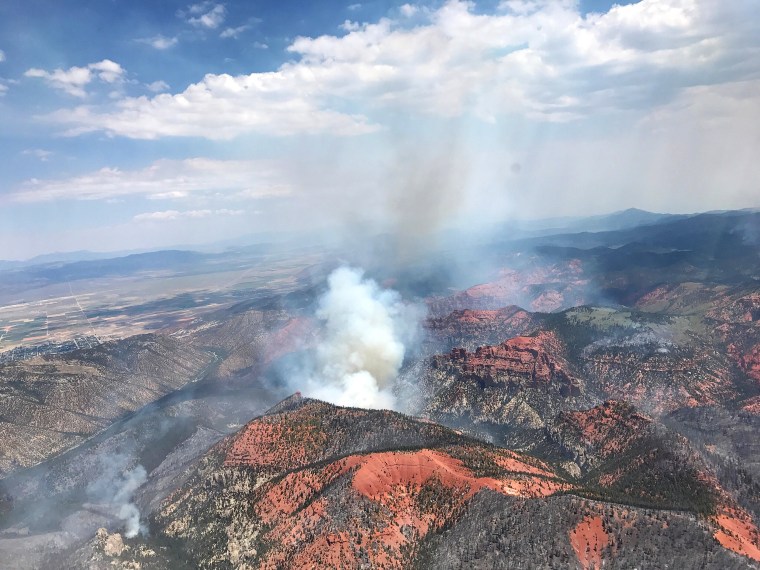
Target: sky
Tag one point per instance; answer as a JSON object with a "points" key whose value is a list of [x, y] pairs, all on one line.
{"points": [[132, 124]]}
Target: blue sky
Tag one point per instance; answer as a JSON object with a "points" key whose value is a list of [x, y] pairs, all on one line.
{"points": [[130, 124]]}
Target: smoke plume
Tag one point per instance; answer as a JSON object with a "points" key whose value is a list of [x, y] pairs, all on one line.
{"points": [[115, 489], [366, 329]]}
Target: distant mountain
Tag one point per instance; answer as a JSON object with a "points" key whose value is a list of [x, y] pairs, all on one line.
{"points": [[624, 219], [65, 257], [619, 220]]}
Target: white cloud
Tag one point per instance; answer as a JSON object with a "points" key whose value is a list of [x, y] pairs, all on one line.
{"points": [[108, 71], [159, 42], [541, 60], [354, 7], [2, 55], [219, 107], [74, 79], [163, 179], [234, 32], [40, 153], [206, 15], [260, 45], [170, 195], [173, 215], [158, 86], [408, 10], [3, 89]]}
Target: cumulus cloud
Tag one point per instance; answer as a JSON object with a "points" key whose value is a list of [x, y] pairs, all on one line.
{"points": [[408, 10], [541, 60], [173, 215], [159, 42], [365, 332], [2, 55], [234, 32], [219, 107], [108, 71], [179, 178], [205, 15], [74, 79], [158, 86]]}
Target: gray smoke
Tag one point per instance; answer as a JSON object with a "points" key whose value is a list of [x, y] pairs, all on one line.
{"points": [[366, 331], [115, 488], [426, 189]]}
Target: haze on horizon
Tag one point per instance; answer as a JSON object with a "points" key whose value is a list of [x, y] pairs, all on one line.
{"points": [[139, 125]]}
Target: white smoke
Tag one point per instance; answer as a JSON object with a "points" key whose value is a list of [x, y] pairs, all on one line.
{"points": [[115, 488], [363, 345]]}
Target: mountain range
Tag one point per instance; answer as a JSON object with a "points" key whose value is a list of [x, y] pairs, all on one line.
{"points": [[578, 399]]}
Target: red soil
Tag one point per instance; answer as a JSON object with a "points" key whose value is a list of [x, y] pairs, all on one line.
{"points": [[750, 362], [472, 316], [737, 532], [395, 483], [508, 314], [277, 444], [508, 284], [515, 287], [293, 336], [548, 301], [609, 427], [380, 473], [538, 358], [511, 461], [589, 539], [752, 405], [742, 310]]}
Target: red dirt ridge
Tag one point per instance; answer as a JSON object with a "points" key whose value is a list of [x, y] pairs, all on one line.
{"points": [[738, 533], [589, 539], [513, 316], [562, 285], [272, 442], [400, 487], [534, 358]]}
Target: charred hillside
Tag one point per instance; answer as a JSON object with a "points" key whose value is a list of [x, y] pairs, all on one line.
{"points": [[51, 403]]}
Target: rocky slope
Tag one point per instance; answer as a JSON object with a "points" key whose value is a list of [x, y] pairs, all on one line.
{"points": [[51, 403], [627, 428], [621, 453], [313, 485], [471, 328], [250, 339], [509, 390], [659, 362], [539, 284]]}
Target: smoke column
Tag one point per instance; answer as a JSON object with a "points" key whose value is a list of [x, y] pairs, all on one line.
{"points": [[116, 487], [363, 345]]}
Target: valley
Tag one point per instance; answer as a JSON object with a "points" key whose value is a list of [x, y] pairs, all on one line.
{"points": [[585, 406]]}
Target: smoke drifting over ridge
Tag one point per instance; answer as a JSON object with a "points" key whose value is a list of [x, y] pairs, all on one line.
{"points": [[366, 333], [115, 489]]}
